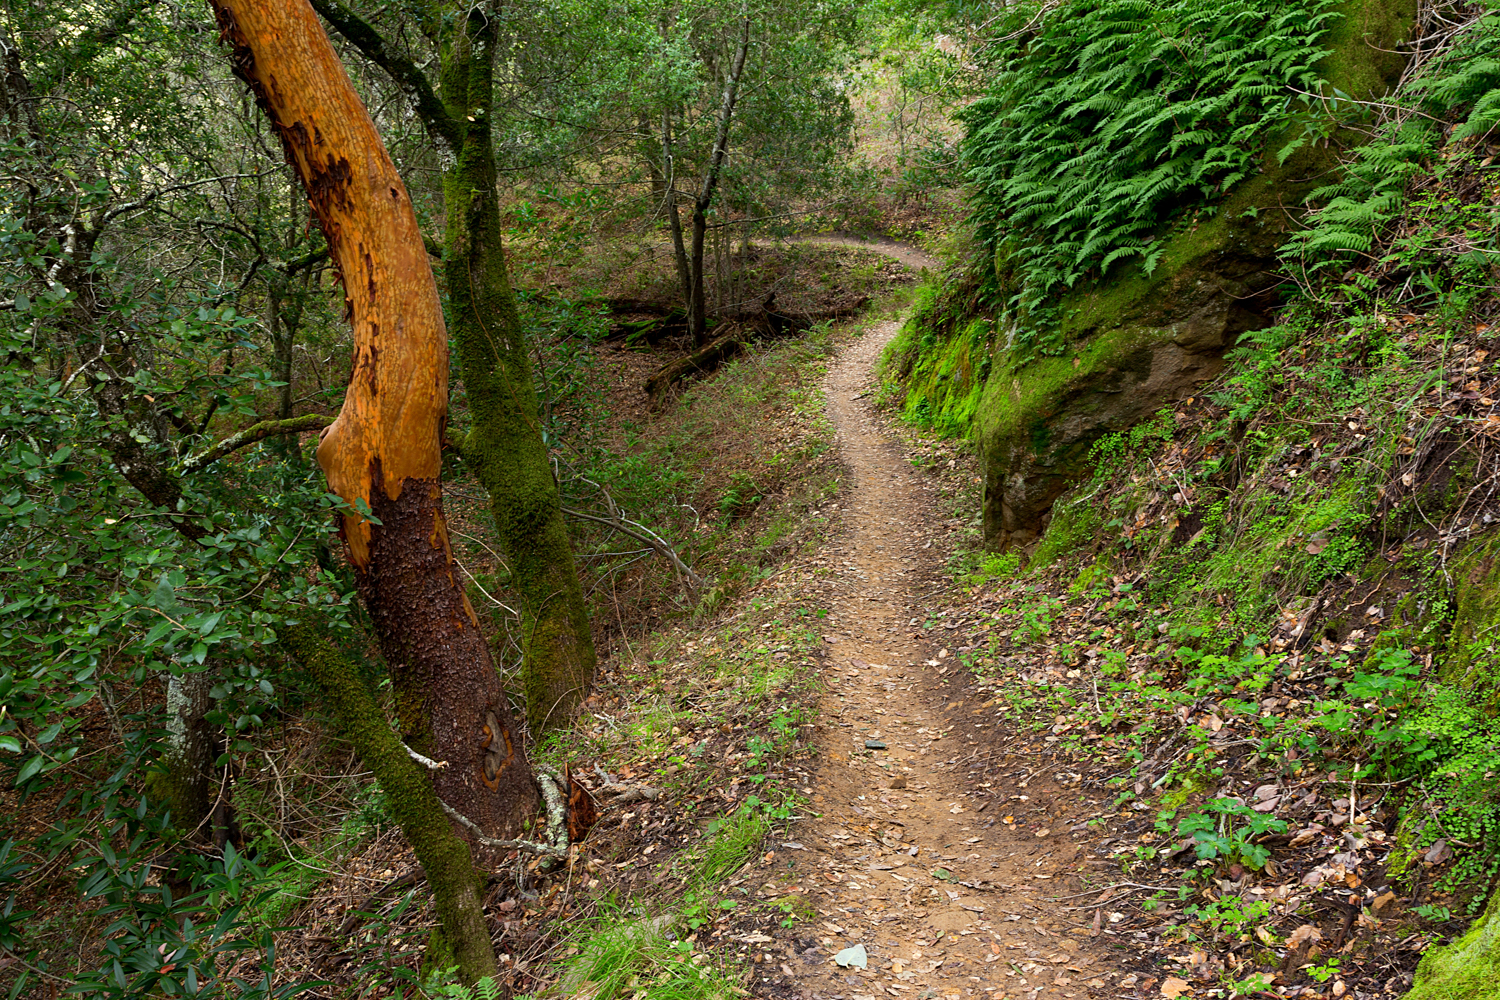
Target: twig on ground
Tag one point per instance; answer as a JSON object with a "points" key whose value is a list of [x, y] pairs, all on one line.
{"points": [[528, 846]]}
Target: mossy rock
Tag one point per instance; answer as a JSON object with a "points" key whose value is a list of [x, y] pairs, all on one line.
{"points": [[1474, 639], [946, 379], [1468, 968], [1136, 341]]}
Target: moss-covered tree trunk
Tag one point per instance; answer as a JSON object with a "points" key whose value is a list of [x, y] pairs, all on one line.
{"points": [[384, 449], [505, 446], [445, 858]]}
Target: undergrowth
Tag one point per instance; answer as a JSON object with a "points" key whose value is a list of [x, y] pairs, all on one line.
{"points": [[1268, 617]]}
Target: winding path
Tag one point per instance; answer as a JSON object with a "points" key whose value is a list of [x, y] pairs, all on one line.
{"points": [[903, 862]]}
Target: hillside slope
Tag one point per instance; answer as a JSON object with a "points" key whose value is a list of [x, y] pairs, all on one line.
{"points": [[1242, 505]]}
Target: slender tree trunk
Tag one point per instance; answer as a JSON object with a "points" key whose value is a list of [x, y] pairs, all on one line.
{"points": [[506, 442], [674, 218], [657, 171], [697, 306], [384, 450], [187, 782], [505, 446], [697, 311], [445, 858]]}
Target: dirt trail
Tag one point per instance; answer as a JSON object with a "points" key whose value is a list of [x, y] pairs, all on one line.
{"points": [[902, 860]]}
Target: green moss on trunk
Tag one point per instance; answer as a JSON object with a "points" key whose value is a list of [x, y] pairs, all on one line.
{"points": [[504, 446], [414, 803]]}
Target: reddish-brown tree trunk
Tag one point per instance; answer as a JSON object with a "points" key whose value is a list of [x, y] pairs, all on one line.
{"points": [[385, 447]]}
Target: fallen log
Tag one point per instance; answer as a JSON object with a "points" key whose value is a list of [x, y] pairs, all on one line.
{"points": [[765, 321], [651, 330], [704, 359]]}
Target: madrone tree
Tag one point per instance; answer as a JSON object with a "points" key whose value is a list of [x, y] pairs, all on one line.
{"points": [[383, 456], [504, 445]]}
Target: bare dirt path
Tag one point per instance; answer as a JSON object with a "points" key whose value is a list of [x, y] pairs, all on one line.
{"points": [[902, 862]]}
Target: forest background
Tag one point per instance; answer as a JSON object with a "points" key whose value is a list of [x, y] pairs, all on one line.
{"points": [[200, 681]]}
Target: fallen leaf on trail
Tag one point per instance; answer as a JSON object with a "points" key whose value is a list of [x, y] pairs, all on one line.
{"points": [[1175, 987], [853, 956], [1298, 945]]}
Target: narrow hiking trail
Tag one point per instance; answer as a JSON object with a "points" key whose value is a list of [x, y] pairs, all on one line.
{"points": [[904, 860]]}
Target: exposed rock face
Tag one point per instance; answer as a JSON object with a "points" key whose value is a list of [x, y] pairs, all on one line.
{"points": [[1138, 343]]}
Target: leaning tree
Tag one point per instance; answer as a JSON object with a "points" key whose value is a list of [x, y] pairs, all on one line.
{"points": [[383, 456]]}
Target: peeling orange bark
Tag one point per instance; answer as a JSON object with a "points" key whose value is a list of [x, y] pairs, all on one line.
{"points": [[385, 446]]}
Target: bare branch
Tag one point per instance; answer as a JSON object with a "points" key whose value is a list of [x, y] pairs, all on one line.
{"points": [[405, 73], [427, 762], [646, 536], [529, 846], [131, 206]]}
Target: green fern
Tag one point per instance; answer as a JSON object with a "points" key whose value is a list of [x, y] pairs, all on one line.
{"points": [[485, 989], [1115, 117], [1461, 86]]}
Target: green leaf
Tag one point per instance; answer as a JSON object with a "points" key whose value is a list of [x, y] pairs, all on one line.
{"points": [[158, 630], [29, 770]]}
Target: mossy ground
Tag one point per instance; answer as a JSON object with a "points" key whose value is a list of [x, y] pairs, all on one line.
{"points": [[1468, 968]]}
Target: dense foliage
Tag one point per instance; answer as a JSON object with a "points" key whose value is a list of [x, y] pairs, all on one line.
{"points": [[1103, 126], [1454, 96]]}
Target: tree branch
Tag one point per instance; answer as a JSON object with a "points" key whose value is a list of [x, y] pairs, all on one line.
{"points": [[252, 434], [411, 80], [131, 206], [646, 536], [427, 762], [310, 259], [529, 846], [726, 113]]}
